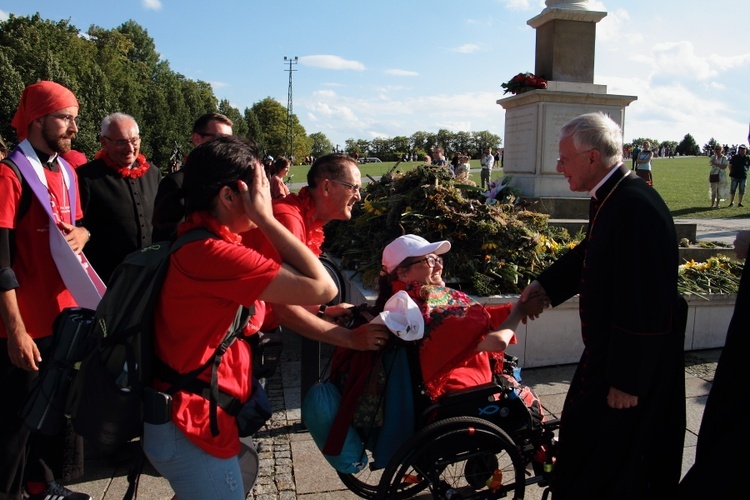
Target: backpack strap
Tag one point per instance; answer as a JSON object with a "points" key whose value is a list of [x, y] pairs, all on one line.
{"points": [[189, 382]]}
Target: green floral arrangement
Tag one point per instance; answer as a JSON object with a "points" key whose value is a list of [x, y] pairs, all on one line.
{"points": [[498, 246], [524, 82], [496, 249]]}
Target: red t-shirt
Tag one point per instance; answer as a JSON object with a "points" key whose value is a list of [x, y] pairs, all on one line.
{"points": [[206, 283], [295, 212], [41, 294]]}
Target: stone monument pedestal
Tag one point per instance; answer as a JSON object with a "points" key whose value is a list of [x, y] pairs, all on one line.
{"points": [[532, 126], [565, 47]]}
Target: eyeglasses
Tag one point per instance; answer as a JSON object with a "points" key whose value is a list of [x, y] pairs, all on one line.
{"points": [[431, 261], [67, 119], [353, 187], [123, 143]]}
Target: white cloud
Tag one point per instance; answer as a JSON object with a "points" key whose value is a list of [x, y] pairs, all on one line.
{"points": [[467, 48], [219, 85], [395, 113], [3, 15], [152, 4], [331, 62], [401, 72]]}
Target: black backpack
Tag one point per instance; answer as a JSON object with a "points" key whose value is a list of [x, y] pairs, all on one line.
{"points": [[105, 402]]}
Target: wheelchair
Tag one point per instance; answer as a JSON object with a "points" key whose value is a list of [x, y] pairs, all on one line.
{"points": [[481, 442]]}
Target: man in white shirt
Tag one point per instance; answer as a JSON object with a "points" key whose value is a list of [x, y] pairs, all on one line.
{"points": [[488, 160]]}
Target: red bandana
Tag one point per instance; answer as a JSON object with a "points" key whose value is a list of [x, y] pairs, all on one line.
{"points": [[204, 219], [140, 168]]}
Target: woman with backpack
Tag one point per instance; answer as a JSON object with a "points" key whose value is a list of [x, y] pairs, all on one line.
{"points": [[227, 192]]}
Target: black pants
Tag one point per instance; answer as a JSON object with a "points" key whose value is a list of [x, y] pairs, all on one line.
{"points": [[24, 456]]}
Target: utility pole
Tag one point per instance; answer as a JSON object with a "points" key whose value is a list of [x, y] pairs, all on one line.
{"points": [[289, 127]]}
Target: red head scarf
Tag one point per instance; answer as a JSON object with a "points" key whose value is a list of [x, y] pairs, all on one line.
{"points": [[38, 100]]}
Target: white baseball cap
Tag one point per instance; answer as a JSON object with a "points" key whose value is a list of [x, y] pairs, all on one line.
{"points": [[410, 245]]}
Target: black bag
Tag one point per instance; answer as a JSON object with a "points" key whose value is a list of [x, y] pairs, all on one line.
{"points": [[44, 411], [106, 397], [713, 177], [255, 413]]}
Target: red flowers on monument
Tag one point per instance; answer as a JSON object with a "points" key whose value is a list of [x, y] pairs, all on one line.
{"points": [[524, 82]]}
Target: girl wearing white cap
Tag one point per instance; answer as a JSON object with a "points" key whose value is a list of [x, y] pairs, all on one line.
{"points": [[460, 335]]}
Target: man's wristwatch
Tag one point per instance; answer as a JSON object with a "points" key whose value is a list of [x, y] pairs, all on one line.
{"points": [[322, 310]]}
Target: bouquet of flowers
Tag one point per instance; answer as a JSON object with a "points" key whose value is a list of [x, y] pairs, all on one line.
{"points": [[524, 82]]}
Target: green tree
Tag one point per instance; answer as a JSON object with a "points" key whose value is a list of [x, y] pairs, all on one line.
{"points": [[272, 118], [254, 129], [485, 139], [687, 146], [320, 144], [240, 127]]}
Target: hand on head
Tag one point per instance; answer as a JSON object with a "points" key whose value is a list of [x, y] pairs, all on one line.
{"points": [[257, 200]]}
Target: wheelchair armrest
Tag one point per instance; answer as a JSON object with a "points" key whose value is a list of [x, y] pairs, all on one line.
{"points": [[484, 391]]}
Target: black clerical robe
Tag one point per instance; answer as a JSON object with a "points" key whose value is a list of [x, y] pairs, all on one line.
{"points": [[633, 325], [722, 436], [118, 213]]}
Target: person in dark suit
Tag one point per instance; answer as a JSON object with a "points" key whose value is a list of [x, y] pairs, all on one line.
{"points": [[722, 432], [623, 421], [117, 195]]}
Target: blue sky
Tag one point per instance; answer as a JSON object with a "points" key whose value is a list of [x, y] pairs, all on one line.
{"points": [[370, 68]]}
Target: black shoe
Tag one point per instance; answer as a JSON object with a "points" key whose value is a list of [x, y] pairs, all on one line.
{"points": [[740, 205], [56, 491], [731, 204]]}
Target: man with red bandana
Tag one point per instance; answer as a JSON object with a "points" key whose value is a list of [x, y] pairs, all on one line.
{"points": [[118, 190], [42, 271]]}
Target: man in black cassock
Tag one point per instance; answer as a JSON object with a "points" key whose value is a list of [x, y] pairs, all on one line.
{"points": [[623, 421], [719, 461]]}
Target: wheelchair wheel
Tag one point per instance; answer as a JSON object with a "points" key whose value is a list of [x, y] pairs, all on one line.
{"points": [[337, 277], [364, 484], [459, 457]]}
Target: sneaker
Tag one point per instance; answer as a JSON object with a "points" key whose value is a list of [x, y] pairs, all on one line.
{"points": [[731, 204], [740, 205], [56, 491]]}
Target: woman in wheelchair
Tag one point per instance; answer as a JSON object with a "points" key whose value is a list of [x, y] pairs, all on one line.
{"points": [[461, 336]]}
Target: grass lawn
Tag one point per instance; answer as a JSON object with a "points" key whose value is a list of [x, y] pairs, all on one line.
{"points": [[682, 182]]}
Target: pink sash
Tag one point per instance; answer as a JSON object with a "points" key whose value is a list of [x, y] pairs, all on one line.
{"points": [[76, 272]]}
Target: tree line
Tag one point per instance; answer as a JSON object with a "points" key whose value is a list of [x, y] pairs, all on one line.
{"points": [[119, 69]]}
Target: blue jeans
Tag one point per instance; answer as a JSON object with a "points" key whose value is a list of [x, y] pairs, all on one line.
{"points": [[191, 472], [738, 183]]}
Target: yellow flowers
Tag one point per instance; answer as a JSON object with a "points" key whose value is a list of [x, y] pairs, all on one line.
{"points": [[489, 246], [716, 275]]}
